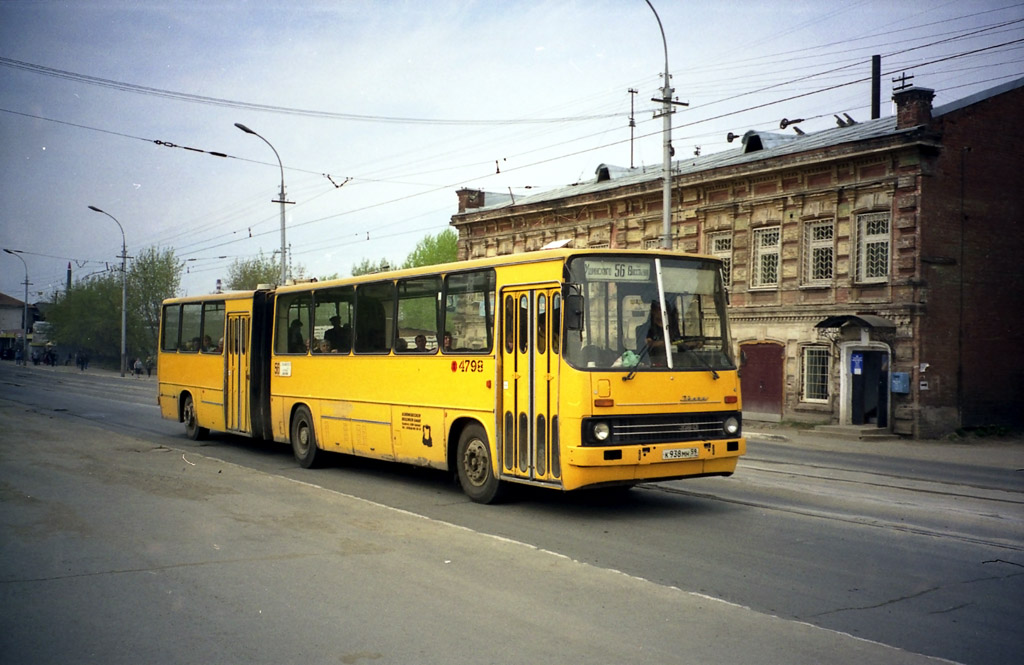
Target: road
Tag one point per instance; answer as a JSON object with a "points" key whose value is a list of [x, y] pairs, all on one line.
{"points": [[814, 551]]}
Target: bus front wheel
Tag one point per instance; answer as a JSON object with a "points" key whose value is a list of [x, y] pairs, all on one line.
{"points": [[188, 414], [304, 439], [473, 463]]}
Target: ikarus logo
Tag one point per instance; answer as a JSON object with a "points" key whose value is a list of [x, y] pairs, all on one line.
{"points": [[689, 398]]}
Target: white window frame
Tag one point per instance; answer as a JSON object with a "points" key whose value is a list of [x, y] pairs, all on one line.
{"points": [[868, 241], [763, 253], [814, 247], [820, 375], [719, 245]]}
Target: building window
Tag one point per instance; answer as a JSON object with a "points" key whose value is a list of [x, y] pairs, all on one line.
{"points": [[652, 243], [819, 253], [816, 366], [873, 243], [720, 246], [767, 243]]}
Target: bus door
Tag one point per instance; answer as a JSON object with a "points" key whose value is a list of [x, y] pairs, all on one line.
{"points": [[529, 409], [237, 375]]}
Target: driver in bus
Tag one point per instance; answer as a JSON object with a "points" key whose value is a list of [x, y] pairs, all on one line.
{"points": [[653, 334]]}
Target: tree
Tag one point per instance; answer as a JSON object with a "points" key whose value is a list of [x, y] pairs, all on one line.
{"points": [[367, 267], [88, 317], [247, 274], [432, 250], [155, 275], [429, 251]]}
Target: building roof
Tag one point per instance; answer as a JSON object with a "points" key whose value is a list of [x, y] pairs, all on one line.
{"points": [[772, 144], [8, 301]]}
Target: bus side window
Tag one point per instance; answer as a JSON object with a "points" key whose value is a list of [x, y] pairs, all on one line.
{"points": [[213, 328], [332, 320], [172, 327], [292, 322], [375, 306], [469, 311], [191, 326], [418, 315]]}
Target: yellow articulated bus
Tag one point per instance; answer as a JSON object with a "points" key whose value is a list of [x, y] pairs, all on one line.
{"points": [[554, 368]]}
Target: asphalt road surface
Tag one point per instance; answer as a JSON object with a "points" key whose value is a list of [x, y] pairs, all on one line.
{"points": [[121, 541]]}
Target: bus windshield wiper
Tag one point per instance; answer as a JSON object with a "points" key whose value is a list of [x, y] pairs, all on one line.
{"points": [[700, 359], [639, 358]]}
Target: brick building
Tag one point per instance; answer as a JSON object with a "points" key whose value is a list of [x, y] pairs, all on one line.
{"points": [[873, 268]]}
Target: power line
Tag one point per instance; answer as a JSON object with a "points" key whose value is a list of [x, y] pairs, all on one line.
{"points": [[230, 103]]}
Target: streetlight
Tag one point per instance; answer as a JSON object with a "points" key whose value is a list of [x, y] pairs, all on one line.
{"points": [[281, 200], [24, 320], [124, 289]]}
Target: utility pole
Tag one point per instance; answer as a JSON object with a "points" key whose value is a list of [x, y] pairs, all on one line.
{"points": [[25, 325], [632, 124]]}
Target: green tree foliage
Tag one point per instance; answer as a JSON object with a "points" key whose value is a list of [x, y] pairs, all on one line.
{"points": [[432, 250], [155, 275], [247, 274], [368, 267], [429, 251], [87, 318]]}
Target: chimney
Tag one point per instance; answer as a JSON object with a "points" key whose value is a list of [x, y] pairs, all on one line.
{"points": [[913, 107], [470, 198]]}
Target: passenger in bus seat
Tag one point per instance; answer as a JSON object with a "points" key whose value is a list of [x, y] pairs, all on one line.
{"points": [[336, 337], [421, 343], [296, 342]]}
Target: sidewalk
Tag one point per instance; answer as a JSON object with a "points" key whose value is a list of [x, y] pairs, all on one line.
{"points": [[1000, 451]]}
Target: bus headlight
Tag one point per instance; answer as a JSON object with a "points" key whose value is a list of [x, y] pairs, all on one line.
{"points": [[602, 431], [731, 426]]}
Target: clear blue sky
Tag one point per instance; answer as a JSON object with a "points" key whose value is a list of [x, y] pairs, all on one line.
{"points": [[406, 102]]}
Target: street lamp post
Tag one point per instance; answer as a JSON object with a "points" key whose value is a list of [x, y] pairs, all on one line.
{"points": [[666, 112], [281, 200], [124, 290], [24, 320]]}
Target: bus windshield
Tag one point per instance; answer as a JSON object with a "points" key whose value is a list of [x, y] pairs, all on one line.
{"points": [[617, 323]]}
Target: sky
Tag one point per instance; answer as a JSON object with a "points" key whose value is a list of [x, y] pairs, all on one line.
{"points": [[381, 110]]}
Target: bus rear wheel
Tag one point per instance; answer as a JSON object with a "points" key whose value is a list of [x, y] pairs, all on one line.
{"points": [[473, 464], [303, 438], [188, 414]]}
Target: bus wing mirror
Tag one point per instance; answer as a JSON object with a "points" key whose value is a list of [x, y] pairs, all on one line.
{"points": [[574, 312]]}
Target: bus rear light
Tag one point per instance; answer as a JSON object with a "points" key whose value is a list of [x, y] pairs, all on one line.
{"points": [[731, 399], [604, 401]]}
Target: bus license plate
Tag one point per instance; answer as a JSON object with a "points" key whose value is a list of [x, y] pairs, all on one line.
{"points": [[679, 453]]}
